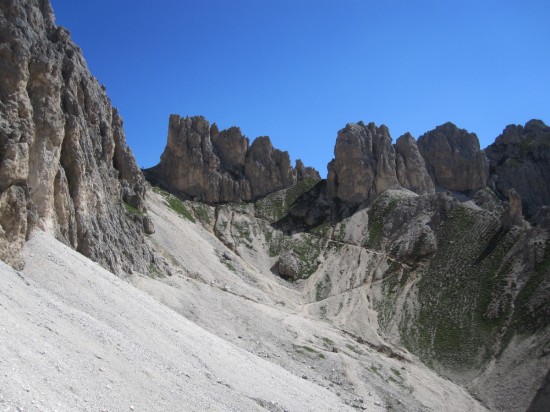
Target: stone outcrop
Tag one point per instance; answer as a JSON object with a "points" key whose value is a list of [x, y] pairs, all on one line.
{"points": [[305, 172], [513, 215], [444, 159], [267, 169], [454, 159], [520, 159], [202, 163], [410, 166], [64, 164], [363, 165]]}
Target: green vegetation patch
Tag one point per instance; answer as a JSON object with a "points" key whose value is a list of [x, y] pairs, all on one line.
{"points": [[532, 314], [242, 231], [154, 272], [302, 349], [307, 248], [201, 212], [353, 349], [321, 230], [131, 209], [396, 372], [456, 323], [381, 209], [322, 289], [392, 285], [276, 205], [175, 204], [340, 232], [228, 265], [327, 342]]}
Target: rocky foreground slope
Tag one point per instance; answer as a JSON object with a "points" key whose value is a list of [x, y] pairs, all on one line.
{"points": [[322, 294]]}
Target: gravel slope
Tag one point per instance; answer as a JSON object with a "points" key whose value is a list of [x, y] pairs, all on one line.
{"points": [[75, 337], [221, 334]]}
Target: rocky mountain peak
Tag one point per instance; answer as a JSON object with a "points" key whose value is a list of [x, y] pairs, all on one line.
{"points": [[520, 159], [454, 159], [363, 165], [410, 166], [305, 172], [200, 162]]}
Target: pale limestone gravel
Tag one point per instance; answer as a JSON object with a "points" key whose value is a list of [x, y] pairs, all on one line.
{"points": [[74, 337]]}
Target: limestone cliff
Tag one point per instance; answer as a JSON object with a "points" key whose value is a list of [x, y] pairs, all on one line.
{"points": [[64, 164], [520, 159], [454, 159], [363, 165], [366, 163], [202, 163], [410, 166]]}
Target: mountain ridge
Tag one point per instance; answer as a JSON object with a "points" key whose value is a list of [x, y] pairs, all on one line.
{"points": [[366, 163]]}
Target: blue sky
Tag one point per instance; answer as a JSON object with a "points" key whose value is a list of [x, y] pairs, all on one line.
{"points": [[299, 70]]}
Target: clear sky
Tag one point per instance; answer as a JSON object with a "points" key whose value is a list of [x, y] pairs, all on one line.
{"points": [[299, 70]]}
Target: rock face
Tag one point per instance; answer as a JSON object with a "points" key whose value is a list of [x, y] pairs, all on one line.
{"points": [[520, 159], [454, 159], [305, 172], [363, 165], [410, 166], [513, 215], [267, 169], [204, 164], [64, 163]]}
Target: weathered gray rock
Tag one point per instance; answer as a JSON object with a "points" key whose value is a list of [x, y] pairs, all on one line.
{"points": [[230, 146], [267, 169], [205, 164], [454, 159], [64, 164], [513, 215], [410, 166], [363, 165], [487, 199], [148, 226], [520, 159], [190, 166], [305, 172], [288, 265]]}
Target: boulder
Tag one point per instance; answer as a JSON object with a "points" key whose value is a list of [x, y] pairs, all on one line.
{"points": [[288, 266]]}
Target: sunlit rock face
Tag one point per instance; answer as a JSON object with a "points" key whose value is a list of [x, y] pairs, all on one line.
{"points": [[453, 158], [363, 165], [202, 163], [410, 166], [64, 163]]}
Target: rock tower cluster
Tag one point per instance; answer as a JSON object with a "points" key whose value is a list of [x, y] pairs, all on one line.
{"points": [[202, 163]]}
